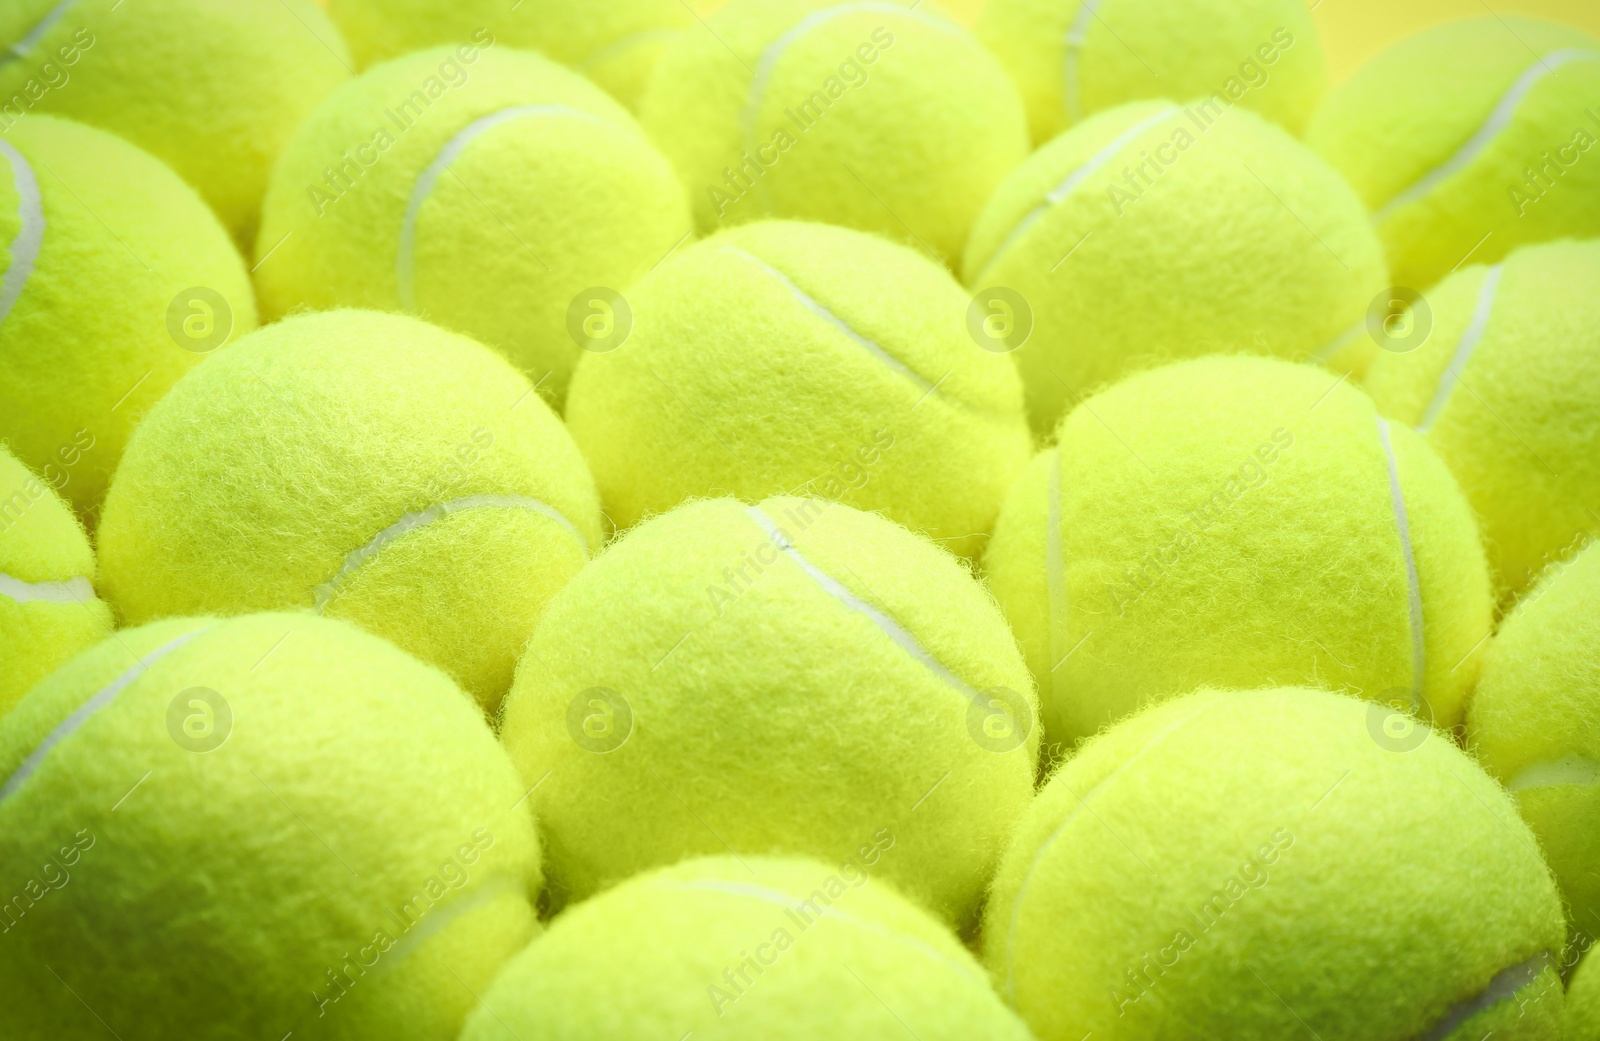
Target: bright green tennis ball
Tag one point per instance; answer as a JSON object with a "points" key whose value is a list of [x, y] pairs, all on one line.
{"points": [[48, 608], [484, 190], [1073, 58], [246, 828], [118, 279], [1275, 863], [786, 357], [1469, 140], [795, 676], [1583, 1003], [879, 116], [368, 466], [745, 947], [1238, 522], [1159, 231], [215, 90], [1506, 388]]}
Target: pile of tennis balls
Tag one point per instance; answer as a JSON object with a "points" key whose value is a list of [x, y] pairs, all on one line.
{"points": [[788, 519]]}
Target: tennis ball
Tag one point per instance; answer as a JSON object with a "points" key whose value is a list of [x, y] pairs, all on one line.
{"points": [[787, 357], [878, 116], [1071, 60], [743, 947], [484, 190], [1238, 522], [117, 281], [243, 828], [1583, 1003], [1325, 881], [1488, 151], [1505, 388], [796, 677], [214, 90], [367, 466], [48, 608], [1159, 231]]}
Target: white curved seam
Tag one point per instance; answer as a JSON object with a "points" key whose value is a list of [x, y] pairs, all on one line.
{"points": [[1402, 523], [1502, 987], [625, 44], [890, 627], [1077, 36], [30, 237], [67, 727], [1324, 354], [1498, 120], [405, 258], [1464, 350], [1570, 770], [72, 591], [24, 47], [1055, 577], [432, 924], [359, 558]]}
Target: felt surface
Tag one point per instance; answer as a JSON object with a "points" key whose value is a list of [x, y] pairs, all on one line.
{"points": [[1518, 420], [770, 715], [1451, 79], [524, 217], [727, 948], [863, 116], [1229, 236], [1231, 522], [1583, 1003], [356, 823], [87, 349], [1316, 882], [253, 482]]}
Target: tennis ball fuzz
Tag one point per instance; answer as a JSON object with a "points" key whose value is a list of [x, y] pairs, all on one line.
{"points": [[1162, 231], [881, 116], [1237, 522], [1322, 880], [482, 188], [787, 357], [1506, 388], [1583, 1002], [743, 947], [367, 466], [795, 677], [117, 266], [1071, 60], [1470, 139]]}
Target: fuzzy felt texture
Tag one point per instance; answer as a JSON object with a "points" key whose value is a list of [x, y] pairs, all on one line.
{"points": [[1207, 231], [899, 123], [250, 486], [87, 347], [1534, 722], [41, 542], [768, 713], [1583, 1003], [350, 843], [564, 196], [1231, 522], [1264, 54], [1257, 864], [784, 358], [1417, 106], [1519, 422], [746, 947]]}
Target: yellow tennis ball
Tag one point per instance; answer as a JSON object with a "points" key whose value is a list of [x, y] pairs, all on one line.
{"points": [[48, 607], [268, 825], [879, 116], [1073, 59], [1505, 385], [367, 466], [1583, 1003], [795, 676], [482, 188], [786, 357], [1469, 140], [1334, 878], [1161, 231], [1238, 522], [117, 281], [745, 947]]}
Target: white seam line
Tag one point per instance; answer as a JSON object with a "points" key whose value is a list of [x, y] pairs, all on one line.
{"points": [[24, 47], [1570, 770], [1502, 987], [104, 697], [72, 591], [1464, 350], [357, 559], [30, 237], [430, 924], [1498, 120], [1402, 523], [1055, 576], [1072, 83], [405, 256], [628, 42]]}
